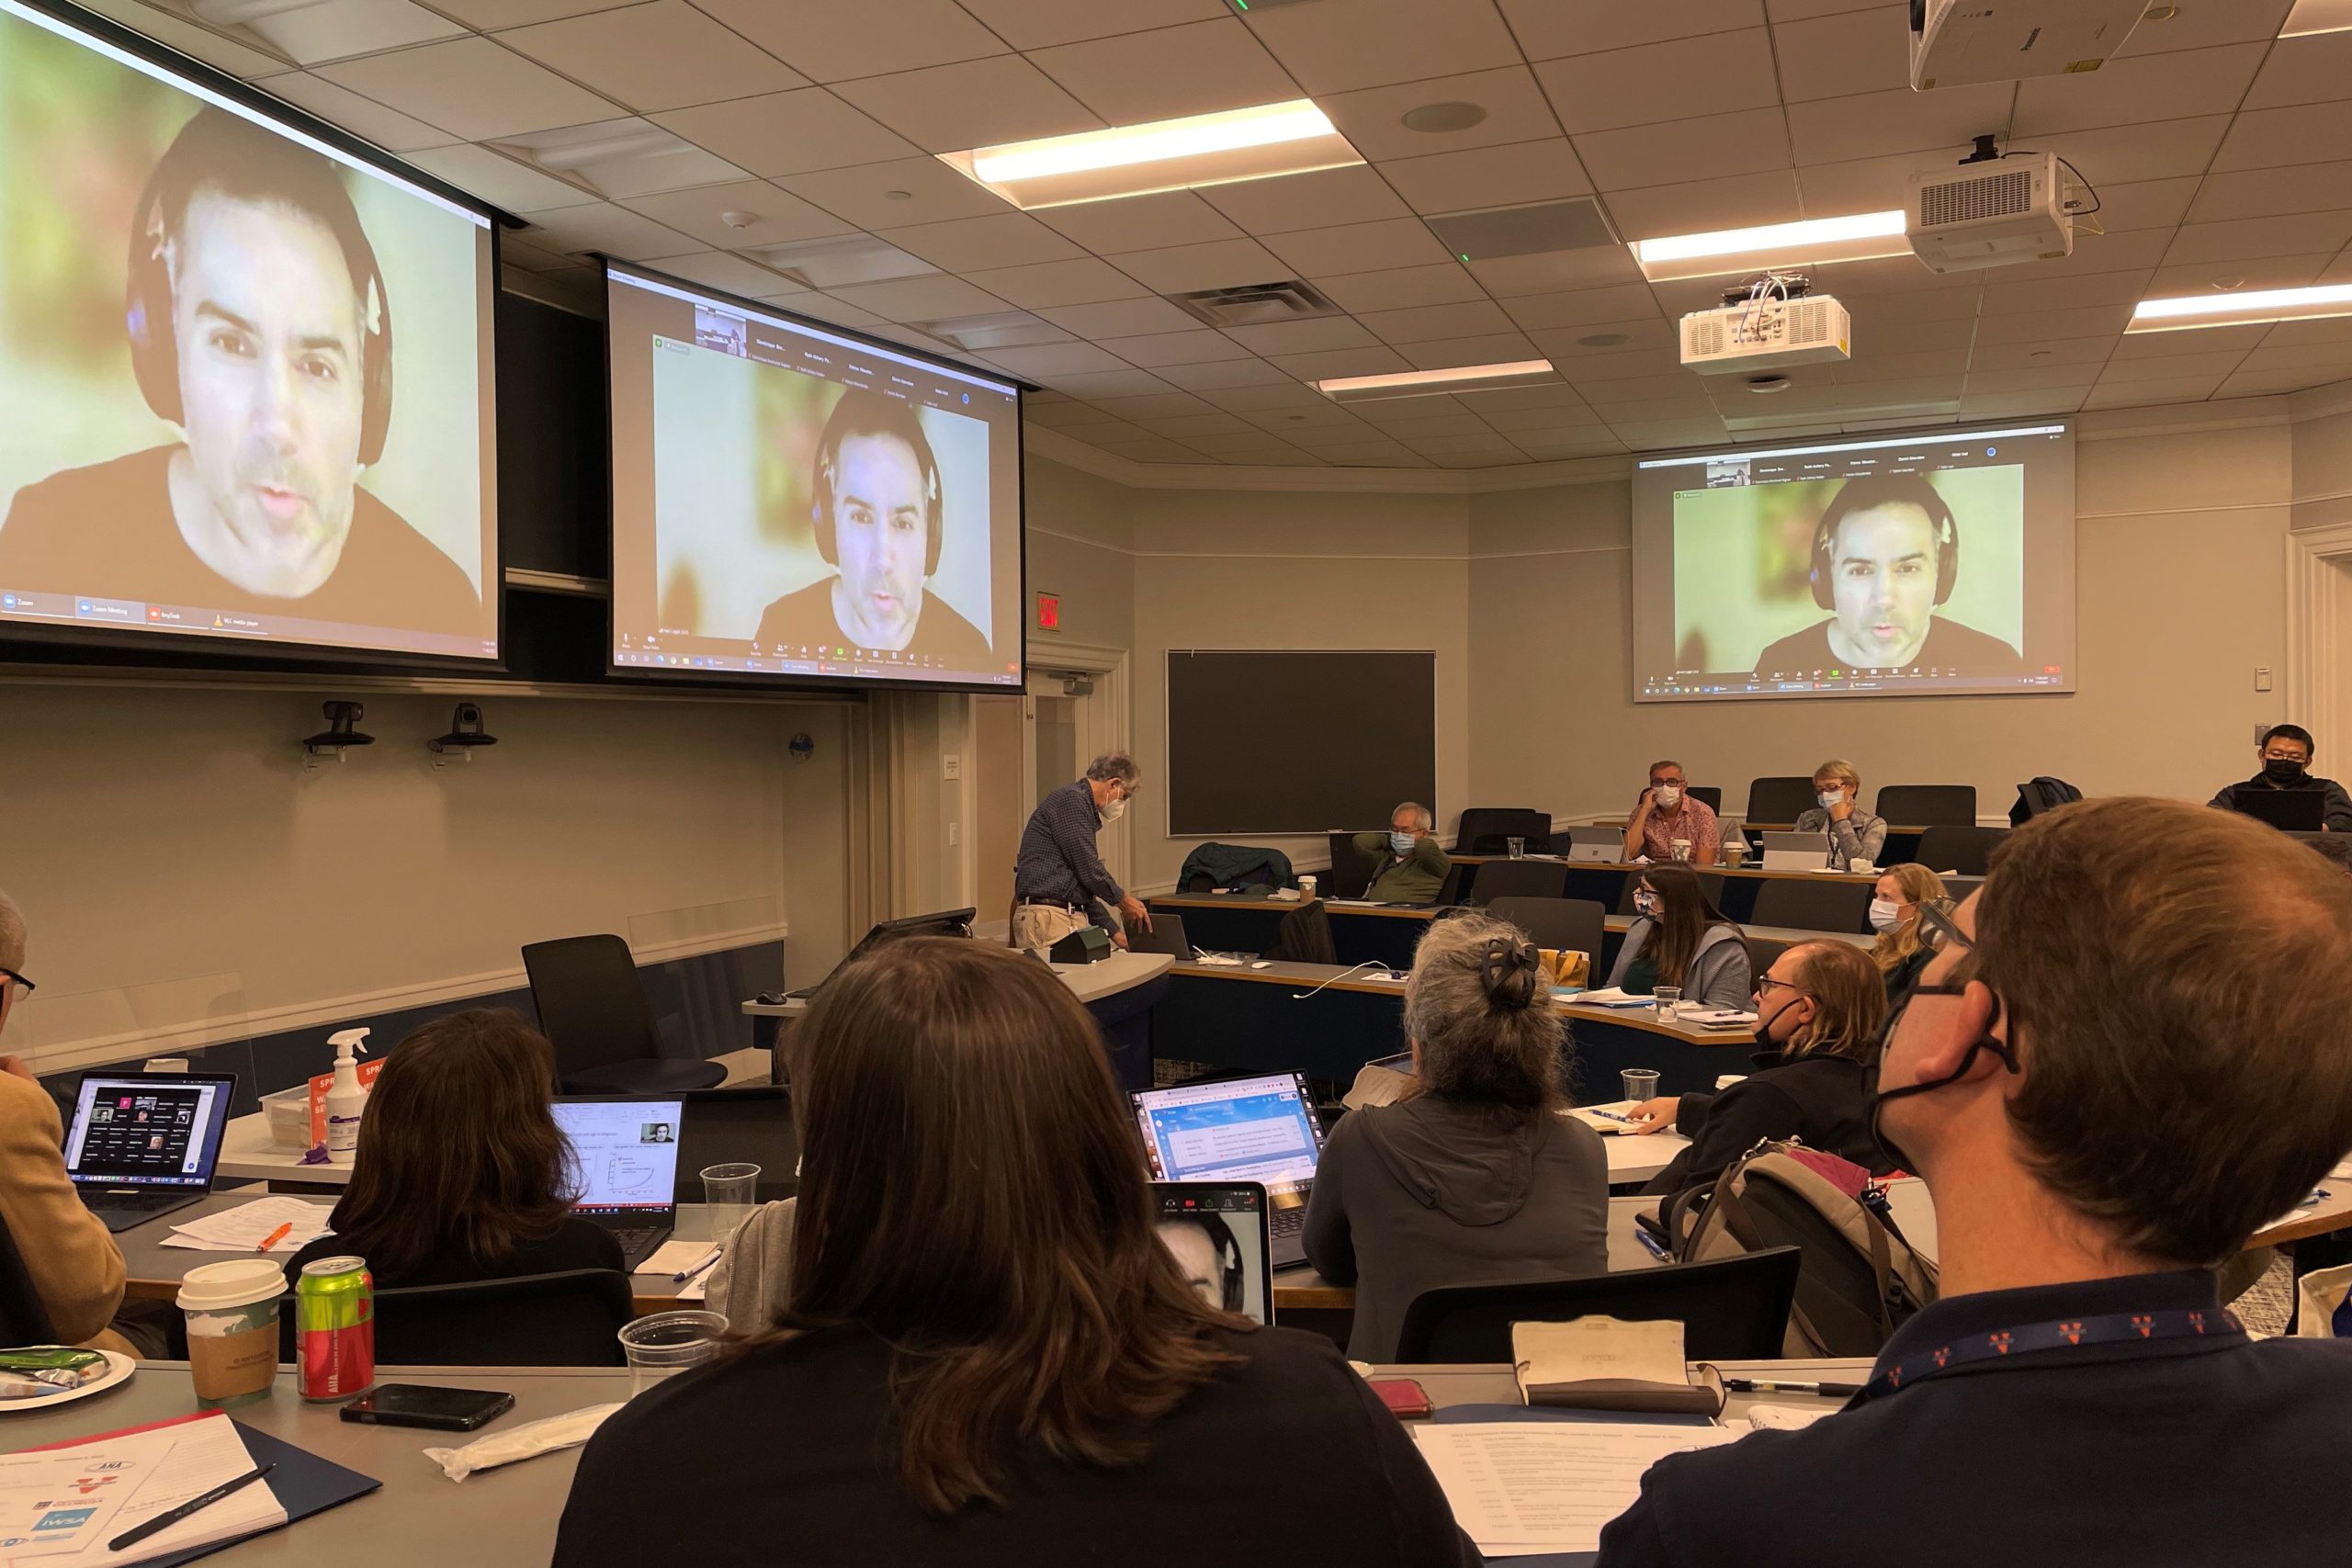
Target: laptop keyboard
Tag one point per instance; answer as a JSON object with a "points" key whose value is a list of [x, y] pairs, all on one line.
{"points": [[136, 1202], [1287, 1222], [637, 1242]]}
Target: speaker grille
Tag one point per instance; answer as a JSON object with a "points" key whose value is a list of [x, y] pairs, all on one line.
{"points": [[1986, 195], [1808, 323], [1702, 336]]}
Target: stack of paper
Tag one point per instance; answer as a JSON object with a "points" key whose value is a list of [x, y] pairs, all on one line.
{"points": [[246, 1226], [127, 1479], [1612, 996], [1597, 1363], [1522, 1487]]}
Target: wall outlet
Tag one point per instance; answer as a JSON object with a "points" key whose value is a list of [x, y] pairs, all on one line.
{"points": [[954, 768], [953, 830]]}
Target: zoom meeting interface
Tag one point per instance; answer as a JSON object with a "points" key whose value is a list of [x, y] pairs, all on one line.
{"points": [[1217, 1233], [625, 1152], [789, 501], [1937, 562], [145, 1135], [1260, 1129]]}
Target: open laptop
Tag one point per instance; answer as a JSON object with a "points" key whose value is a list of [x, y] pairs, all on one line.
{"points": [[1263, 1129], [144, 1144], [1217, 1232], [2297, 810], [1794, 851], [1166, 935], [1595, 846], [625, 1166]]}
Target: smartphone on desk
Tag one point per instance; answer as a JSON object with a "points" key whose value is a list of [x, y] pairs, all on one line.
{"points": [[442, 1409], [1406, 1398]]}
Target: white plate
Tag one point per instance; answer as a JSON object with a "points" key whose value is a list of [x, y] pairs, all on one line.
{"points": [[118, 1370]]}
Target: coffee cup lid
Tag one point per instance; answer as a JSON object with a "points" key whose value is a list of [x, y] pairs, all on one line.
{"points": [[238, 1283]]}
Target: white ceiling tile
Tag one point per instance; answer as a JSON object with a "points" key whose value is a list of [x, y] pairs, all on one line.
{"points": [[662, 160], [1041, 24], [515, 252], [763, 214], [718, 269], [1110, 384], [2152, 204], [1401, 288], [2268, 383], [1170, 73], [923, 300], [1562, 344], [1865, 185], [2288, 334], [972, 244], [1511, 176], [2133, 251], [1303, 337], [2009, 405], [896, 194], [2111, 394], [2159, 149], [2270, 193], [487, 15], [1484, 348], [2002, 298], [2041, 326], [1871, 125], [601, 226], [2310, 70], [1184, 426], [831, 42], [499, 180], [471, 87], [2074, 376], [1368, 44], [1547, 29], [1878, 365], [1702, 148], [1221, 263], [1057, 415], [1224, 375], [2174, 365], [1425, 323], [1656, 82], [2042, 356], [1324, 199], [2251, 272], [2126, 91], [1556, 272], [1336, 362], [977, 103], [2262, 139], [1194, 345], [2201, 340], [1140, 222], [1121, 317], [197, 42], [788, 133], [2203, 25], [1513, 422], [1060, 282], [1393, 242], [363, 117], [1699, 207], [665, 55], [1160, 405], [1037, 360], [841, 312], [1828, 57], [2245, 238], [312, 34], [1625, 301], [1372, 121]]}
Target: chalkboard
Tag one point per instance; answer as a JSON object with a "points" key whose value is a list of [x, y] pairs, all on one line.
{"points": [[1260, 743]]}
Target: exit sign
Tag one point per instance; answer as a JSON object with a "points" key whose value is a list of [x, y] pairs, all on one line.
{"points": [[1050, 612]]}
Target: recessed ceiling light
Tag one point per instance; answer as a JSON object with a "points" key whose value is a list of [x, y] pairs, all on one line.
{"points": [[1436, 118], [2310, 16], [1171, 155], [1861, 236], [2183, 312], [1603, 340], [1423, 383]]}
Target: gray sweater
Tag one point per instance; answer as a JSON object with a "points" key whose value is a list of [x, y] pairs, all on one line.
{"points": [[1719, 976], [1431, 1192], [1860, 837]]}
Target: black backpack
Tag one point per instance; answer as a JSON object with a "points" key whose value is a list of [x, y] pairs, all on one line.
{"points": [[2037, 796]]}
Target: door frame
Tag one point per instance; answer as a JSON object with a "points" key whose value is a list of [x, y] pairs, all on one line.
{"points": [[2315, 689]]}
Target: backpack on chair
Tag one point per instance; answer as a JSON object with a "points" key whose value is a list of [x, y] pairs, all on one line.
{"points": [[1859, 1280]]}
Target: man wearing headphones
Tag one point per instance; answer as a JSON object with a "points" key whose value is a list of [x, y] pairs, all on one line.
{"points": [[878, 517], [260, 326], [1885, 554]]}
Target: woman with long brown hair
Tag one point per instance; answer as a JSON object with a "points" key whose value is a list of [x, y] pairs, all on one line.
{"points": [[987, 1354], [1680, 939], [461, 1173]]}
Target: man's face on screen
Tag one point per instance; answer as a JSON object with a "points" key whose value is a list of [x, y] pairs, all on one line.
{"points": [[1195, 1256], [882, 536], [1882, 576], [269, 336]]}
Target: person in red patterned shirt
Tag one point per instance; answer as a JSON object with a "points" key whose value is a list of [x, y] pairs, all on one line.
{"points": [[1666, 812]]}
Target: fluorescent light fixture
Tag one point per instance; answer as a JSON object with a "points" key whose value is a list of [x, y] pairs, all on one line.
{"points": [[1169, 154], [1425, 383], [1861, 236], [2310, 16], [1921, 438], [2183, 312]]}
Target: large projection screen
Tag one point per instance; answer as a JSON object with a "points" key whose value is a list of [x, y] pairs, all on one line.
{"points": [[793, 505], [1934, 563], [248, 372]]}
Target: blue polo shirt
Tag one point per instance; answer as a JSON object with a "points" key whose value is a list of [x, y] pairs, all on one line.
{"points": [[2167, 1454]]}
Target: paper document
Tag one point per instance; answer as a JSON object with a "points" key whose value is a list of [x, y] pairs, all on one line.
{"points": [[1615, 1117], [1781, 1417], [674, 1256], [172, 1464], [246, 1226], [56, 1503], [1521, 1487], [1612, 996]]}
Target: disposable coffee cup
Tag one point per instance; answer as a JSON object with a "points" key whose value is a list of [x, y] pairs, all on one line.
{"points": [[232, 1328], [1682, 848], [1307, 886], [1862, 867]]}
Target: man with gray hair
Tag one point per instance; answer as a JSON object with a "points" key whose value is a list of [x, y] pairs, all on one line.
{"points": [[1409, 865], [1058, 877]]}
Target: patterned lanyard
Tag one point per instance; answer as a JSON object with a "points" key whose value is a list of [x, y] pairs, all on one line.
{"points": [[2114, 1328]]}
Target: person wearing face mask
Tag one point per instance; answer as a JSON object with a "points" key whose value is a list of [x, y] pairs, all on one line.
{"points": [[1666, 812], [2286, 755], [1853, 833], [1058, 877], [1681, 939], [2103, 1111], [1409, 865], [1895, 902], [1818, 1009]]}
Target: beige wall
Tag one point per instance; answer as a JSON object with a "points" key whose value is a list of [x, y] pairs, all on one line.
{"points": [[1081, 538]]}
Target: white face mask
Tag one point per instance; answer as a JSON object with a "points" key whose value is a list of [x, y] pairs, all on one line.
{"points": [[1669, 795], [1115, 809], [1829, 797], [1885, 914]]}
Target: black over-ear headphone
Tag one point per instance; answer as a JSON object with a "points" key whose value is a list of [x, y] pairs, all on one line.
{"points": [[1231, 1271], [862, 413], [1868, 493], [214, 141]]}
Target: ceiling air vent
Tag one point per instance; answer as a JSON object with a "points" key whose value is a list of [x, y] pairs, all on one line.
{"points": [[1256, 304]]}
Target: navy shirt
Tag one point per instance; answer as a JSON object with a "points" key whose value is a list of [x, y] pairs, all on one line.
{"points": [[2166, 1453], [1057, 860]]}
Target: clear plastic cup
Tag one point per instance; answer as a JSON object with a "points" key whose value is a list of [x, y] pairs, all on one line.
{"points": [[1669, 1002], [731, 1192], [1516, 848], [1640, 1084], [232, 1328], [668, 1343]]}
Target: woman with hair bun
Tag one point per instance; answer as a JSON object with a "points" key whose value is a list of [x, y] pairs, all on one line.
{"points": [[1471, 1177]]}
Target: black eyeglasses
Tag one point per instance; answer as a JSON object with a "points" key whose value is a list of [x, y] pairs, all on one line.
{"points": [[1938, 932], [10, 977], [1766, 983]]}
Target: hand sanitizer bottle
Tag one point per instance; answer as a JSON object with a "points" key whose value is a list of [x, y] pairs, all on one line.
{"points": [[346, 1099]]}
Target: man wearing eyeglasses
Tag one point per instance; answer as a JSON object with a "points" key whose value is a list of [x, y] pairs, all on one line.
{"points": [[75, 1266], [2127, 1056]]}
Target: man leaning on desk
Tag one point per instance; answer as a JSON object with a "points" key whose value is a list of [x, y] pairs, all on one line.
{"points": [[1409, 865], [1058, 877]]}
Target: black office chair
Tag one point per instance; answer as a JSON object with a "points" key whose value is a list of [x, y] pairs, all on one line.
{"points": [[1710, 883], [1798, 905], [752, 1124], [24, 1320], [1968, 851], [1928, 806], [1763, 951], [593, 1005], [1730, 1309], [1486, 830], [1565, 925], [1780, 800], [1351, 870], [1166, 935], [1519, 879], [567, 1319], [1449, 892], [1710, 795], [1304, 937]]}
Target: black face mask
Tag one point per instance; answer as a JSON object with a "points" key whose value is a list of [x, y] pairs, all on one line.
{"points": [[2283, 771], [1891, 1152]]}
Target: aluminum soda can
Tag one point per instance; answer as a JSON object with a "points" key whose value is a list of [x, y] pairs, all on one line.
{"points": [[335, 1323]]}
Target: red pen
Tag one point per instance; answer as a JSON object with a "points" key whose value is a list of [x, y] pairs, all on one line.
{"points": [[274, 1237]]}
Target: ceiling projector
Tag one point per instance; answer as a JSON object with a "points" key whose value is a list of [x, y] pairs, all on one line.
{"points": [[1764, 326], [1989, 211], [1956, 42]]}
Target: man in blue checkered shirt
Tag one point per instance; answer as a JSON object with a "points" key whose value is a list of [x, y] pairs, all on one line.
{"points": [[1058, 878]]}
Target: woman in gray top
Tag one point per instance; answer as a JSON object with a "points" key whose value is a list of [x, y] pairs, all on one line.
{"points": [[1854, 834], [1473, 1177]]}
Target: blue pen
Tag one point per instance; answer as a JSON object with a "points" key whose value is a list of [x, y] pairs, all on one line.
{"points": [[1657, 1247]]}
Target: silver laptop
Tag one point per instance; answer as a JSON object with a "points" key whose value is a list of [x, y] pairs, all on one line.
{"points": [[624, 1162], [1595, 846], [1795, 851], [1263, 1129]]}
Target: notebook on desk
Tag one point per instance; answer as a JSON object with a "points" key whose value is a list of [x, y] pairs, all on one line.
{"points": [[1263, 1129], [625, 1166], [145, 1143]]}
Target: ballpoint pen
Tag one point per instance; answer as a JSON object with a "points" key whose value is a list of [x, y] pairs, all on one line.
{"points": [[171, 1517]]}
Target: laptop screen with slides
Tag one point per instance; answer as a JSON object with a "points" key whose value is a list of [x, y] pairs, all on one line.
{"points": [[624, 1155]]}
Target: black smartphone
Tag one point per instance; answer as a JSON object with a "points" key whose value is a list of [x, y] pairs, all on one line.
{"points": [[443, 1410]]}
